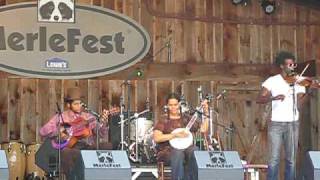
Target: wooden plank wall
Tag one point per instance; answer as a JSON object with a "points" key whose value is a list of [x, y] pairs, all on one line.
{"points": [[26, 103]]}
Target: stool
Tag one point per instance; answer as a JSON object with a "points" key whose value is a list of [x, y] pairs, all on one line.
{"points": [[164, 172], [252, 170]]}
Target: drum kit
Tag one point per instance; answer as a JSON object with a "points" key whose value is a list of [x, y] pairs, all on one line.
{"points": [[142, 148]]}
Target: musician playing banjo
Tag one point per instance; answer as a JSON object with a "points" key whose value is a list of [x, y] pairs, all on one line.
{"points": [[163, 133], [74, 113]]}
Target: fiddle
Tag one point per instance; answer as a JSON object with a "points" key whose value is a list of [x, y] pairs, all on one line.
{"points": [[294, 78], [302, 81]]}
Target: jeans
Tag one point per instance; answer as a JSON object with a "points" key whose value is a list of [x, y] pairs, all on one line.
{"points": [[286, 133], [183, 164]]}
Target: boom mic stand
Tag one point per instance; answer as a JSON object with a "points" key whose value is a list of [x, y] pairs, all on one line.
{"points": [[60, 120], [98, 117]]}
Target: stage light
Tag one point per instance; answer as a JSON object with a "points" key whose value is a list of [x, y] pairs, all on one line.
{"points": [[268, 6], [139, 73], [237, 2]]}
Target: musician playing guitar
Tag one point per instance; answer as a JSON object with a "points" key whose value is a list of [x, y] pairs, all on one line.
{"points": [[163, 133], [83, 124]]}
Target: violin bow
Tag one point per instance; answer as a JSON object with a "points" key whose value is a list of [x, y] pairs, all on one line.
{"points": [[304, 70]]}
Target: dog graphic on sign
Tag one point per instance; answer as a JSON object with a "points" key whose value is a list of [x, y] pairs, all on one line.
{"points": [[56, 11]]}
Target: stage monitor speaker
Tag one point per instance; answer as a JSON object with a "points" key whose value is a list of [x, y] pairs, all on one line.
{"points": [[105, 164], [219, 165], [4, 171], [312, 166], [47, 157]]}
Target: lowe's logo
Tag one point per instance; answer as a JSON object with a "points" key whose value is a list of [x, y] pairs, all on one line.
{"points": [[56, 63]]}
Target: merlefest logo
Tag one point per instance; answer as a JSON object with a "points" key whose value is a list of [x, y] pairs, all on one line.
{"points": [[218, 160], [18, 41], [68, 41], [106, 160]]}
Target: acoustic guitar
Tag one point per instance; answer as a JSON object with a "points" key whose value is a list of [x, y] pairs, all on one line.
{"points": [[72, 132]]}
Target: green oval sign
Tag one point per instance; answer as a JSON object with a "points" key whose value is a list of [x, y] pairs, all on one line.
{"points": [[100, 42]]}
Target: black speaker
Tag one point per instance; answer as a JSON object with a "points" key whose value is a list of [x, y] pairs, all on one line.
{"points": [[4, 171], [312, 166], [219, 165], [106, 165], [47, 157]]}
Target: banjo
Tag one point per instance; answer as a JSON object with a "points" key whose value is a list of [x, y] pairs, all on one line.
{"points": [[184, 143]]}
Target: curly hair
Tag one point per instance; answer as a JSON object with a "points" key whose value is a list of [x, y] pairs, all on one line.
{"points": [[282, 56]]}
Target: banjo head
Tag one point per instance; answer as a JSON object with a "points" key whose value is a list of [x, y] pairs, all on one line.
{"points": [[181, 143]]}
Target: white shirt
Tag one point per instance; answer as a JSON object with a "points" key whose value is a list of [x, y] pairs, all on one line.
{"points": [[283, 111]]}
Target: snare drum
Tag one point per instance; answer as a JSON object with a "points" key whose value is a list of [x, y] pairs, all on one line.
{"points": [[32, 170], [143, 126], [15, 152]]}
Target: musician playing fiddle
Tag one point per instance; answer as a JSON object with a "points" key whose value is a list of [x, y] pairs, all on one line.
{"points": [[182, 161], [83, 138], [287, 98]]}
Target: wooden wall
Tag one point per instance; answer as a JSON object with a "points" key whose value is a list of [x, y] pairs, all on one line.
{"points": [[214, 44]]}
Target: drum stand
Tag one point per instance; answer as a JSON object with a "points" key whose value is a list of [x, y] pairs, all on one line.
{"points": [[133, 118], [122, 142], [228, 129]]}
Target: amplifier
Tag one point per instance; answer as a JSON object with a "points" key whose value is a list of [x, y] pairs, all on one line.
{"points": [[4, 171], [105, 164], [312, 166], [219, 165]]}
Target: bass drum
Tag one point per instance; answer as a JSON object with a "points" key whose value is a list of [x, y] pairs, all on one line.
{"points": [[16, 155], [33, 172]]}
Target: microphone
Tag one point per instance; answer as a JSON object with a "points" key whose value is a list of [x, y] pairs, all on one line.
{"points": [[85, 107], [221, 94]]}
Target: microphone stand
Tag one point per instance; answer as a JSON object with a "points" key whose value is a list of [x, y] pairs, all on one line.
{"points": [[121, 122], [98, 116], [97, 131], [60, 119], [294, 104], [202, 114], [128, 107]]}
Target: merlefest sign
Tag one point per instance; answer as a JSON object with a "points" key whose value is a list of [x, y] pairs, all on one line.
{"points": [[98, 42]]}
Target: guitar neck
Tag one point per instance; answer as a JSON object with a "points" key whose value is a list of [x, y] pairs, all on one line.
{"points": [[192, 121], [193, 118]]}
